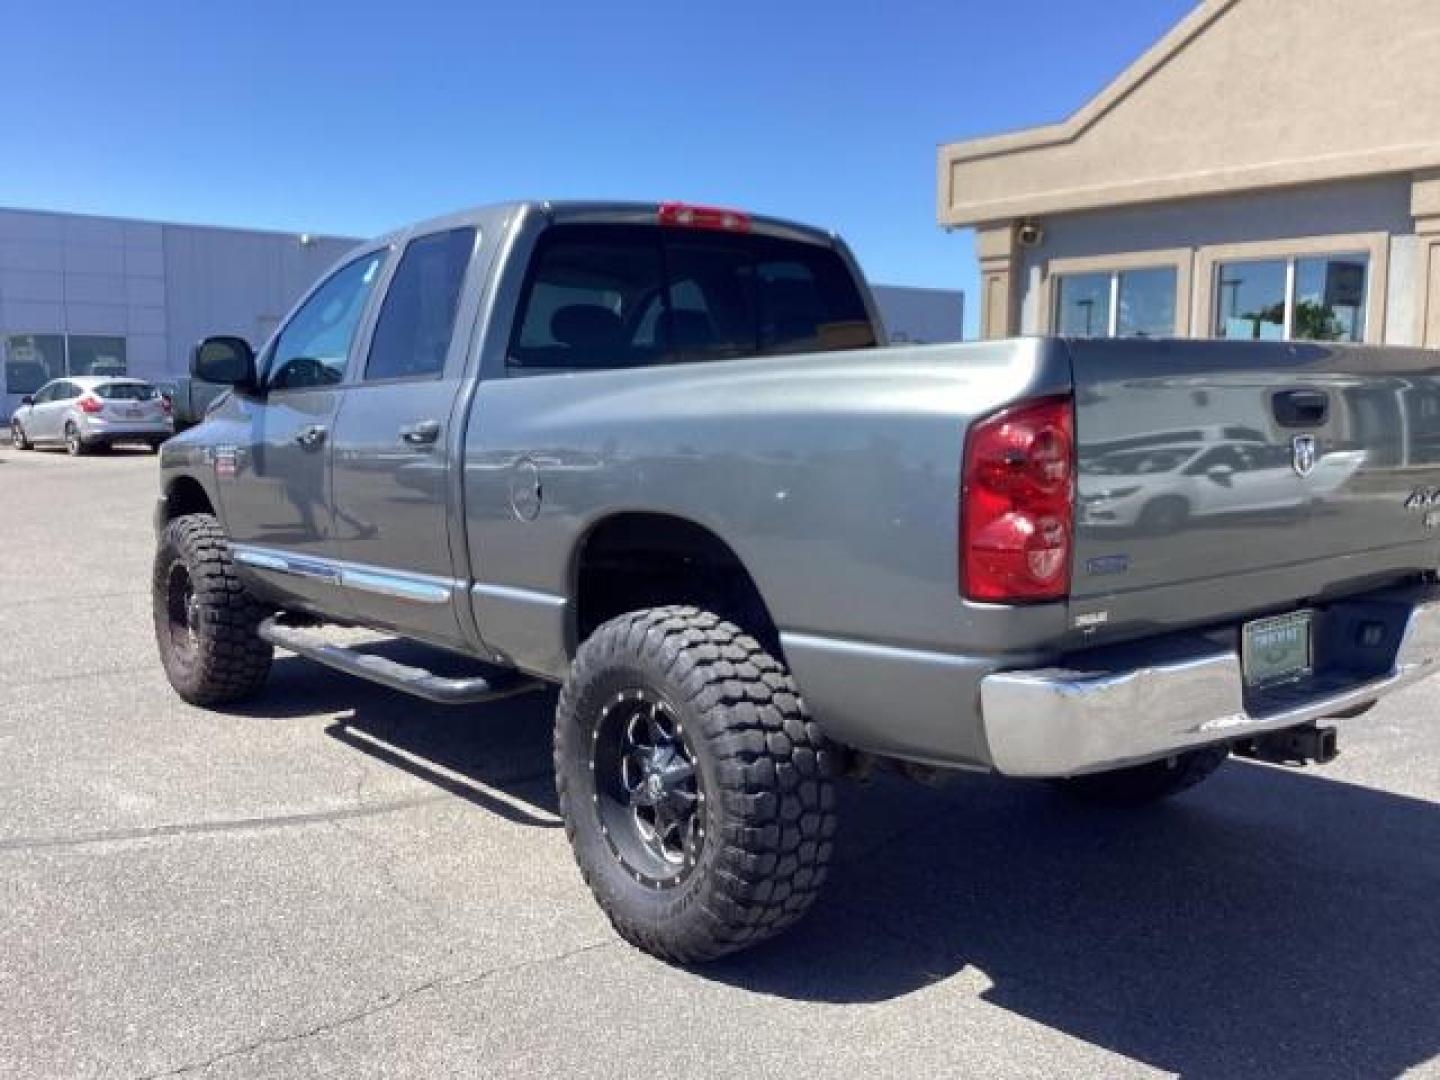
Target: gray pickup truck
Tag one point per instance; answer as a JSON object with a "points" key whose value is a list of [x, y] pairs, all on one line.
{"points": [[660, 455], [190, 399]]}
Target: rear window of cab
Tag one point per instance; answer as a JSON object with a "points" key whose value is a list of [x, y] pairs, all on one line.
{"points": [[607, 296]]}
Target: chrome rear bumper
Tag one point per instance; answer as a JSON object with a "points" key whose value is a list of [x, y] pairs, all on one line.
{"points": [[1158, 700]]}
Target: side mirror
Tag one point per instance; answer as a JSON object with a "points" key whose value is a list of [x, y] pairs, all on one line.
{"points": [[1221, 474], [228, 361], [28, 399]]}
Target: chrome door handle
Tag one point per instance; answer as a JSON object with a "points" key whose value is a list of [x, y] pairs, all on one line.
{"points": [[311, 436], [421, 433]]}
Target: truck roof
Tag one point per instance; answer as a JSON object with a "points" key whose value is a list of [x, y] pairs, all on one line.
{"points": [[491, 215]]}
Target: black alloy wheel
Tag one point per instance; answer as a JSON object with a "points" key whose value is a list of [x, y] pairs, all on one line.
{"points": [[648, 793], [182, 607]]}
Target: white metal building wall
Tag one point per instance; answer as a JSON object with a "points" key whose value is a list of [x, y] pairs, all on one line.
{"points": [[158, 286]]}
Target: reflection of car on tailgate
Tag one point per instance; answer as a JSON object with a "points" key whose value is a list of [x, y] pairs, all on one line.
{"points": [[1158, 483]]}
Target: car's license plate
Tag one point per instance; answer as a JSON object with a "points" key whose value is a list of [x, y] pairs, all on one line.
{"points": [[1276, 649]]}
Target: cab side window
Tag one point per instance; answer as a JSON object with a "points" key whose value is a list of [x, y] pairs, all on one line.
{"points": [[313, 348], [591, 299], [417, 317]]}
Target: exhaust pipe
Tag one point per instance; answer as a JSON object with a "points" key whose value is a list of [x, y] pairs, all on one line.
{"points": [[1293, 746]]}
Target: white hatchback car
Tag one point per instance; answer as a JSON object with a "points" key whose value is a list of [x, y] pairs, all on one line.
{"points": [[83, 412]]}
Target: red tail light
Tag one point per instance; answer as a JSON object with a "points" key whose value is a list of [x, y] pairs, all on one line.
{"points": [[90, 405], [165, 404], [1017, 504], [684, 216]]}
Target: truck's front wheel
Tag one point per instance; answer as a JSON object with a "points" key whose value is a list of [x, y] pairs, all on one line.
{"points": [[696, 791], [205, 620]]}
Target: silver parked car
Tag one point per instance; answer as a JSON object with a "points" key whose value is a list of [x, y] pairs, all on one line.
{"points": [[83, 412]]}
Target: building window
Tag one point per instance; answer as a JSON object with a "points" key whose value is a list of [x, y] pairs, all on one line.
{"points": [[1146, 305], [32, 360], [1082, 305], [1305, 298], [1330, 298], [91, 354], [1117, 303]]}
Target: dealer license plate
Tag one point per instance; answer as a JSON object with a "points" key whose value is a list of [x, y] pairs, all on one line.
{"points": [[1276, 649]]}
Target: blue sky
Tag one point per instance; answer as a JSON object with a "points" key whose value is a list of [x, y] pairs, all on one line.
{"points": [[352, 118]]}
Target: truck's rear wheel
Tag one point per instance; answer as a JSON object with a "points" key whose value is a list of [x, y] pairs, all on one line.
{"points": [[1141, 784], [205, 619], [696, 791]]}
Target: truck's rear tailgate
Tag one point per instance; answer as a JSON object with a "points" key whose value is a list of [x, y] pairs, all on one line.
{"points": [[1224, 478]]}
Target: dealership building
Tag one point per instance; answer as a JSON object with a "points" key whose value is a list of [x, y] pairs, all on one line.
{"points": [[1269, 170], [91, 295], [95, 295]]}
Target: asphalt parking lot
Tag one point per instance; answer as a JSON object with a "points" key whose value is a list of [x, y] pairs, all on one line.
{"points": [[338, 880]]}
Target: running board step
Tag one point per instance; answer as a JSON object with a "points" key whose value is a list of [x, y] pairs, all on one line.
{"points": [[397, 676]]}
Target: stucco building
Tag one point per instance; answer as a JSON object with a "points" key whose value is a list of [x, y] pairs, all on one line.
{"points": [[1269, 169]]}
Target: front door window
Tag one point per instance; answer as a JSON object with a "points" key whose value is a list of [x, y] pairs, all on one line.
{"points": [[314, 347]]}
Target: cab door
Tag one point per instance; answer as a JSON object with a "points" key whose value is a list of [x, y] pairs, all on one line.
{"points": [[274, 483], [396, 437]]}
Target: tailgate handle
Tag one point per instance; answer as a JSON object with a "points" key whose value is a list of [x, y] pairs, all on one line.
{"points": [[1301, 408]]}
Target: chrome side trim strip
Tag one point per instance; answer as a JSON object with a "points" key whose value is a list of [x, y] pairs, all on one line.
{"points": [[517, 595], [262, 560], [420, 588], [283, 563]]}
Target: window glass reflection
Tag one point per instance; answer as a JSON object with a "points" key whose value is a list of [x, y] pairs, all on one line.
{"points": [[1147, 303], [1330, 298], [93, 354], [1250, 300], [1082, 305], [32, 360]]}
